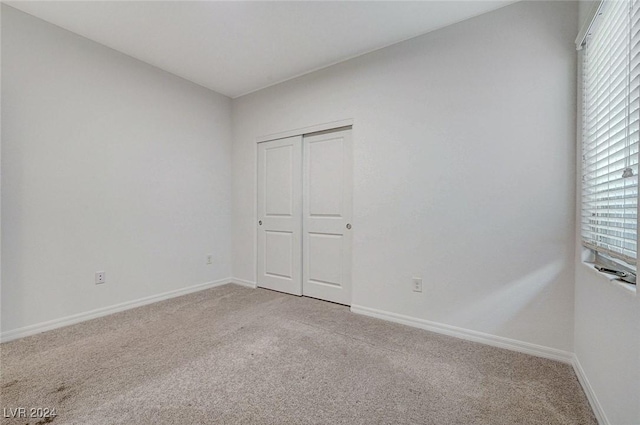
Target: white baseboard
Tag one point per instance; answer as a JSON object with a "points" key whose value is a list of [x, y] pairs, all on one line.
{"points": [[481, 337], [243, 282], [104, 311], [598, 411]]}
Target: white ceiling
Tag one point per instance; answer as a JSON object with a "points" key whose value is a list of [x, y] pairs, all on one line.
{"points": [[238, 47]]}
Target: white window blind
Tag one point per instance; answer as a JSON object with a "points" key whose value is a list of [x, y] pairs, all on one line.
{"points": [[611, 118]]}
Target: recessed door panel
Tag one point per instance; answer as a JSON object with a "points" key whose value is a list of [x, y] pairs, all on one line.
{"points": [[280, 215], [279, 183], [325, 177], [278, 254], [325, 259], [327, 183]]}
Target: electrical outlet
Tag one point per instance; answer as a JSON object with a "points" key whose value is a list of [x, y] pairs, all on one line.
{"points": [[417, 284], [209, 259], [100, 278]]}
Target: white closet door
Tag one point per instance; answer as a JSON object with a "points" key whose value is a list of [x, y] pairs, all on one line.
{"points": [[280, 215], [327, 187]]}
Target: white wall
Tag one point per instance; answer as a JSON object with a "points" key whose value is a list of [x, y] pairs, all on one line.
{"points": [[607, 330], [607, 344], [464, 143], [107, 164]]}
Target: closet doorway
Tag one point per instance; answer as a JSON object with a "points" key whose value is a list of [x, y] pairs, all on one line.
{"points": [[305, 186]]}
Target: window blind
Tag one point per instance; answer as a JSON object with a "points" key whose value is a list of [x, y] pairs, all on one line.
{"points": [[610, 130]]}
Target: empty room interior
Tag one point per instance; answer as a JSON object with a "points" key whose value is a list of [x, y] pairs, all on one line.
{"points": [[319, 212]]}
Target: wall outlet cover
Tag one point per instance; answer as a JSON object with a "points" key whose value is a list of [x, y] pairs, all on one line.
{"points": [[100, 278], [417, 284]]}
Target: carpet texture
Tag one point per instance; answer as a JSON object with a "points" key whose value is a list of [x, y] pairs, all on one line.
{"points": [[233, 355]]}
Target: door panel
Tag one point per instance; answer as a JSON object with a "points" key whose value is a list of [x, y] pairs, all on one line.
{"points": [[278, 254], [325, 177], [280, 215], [327, 183], [279, 183], [325, 259]]}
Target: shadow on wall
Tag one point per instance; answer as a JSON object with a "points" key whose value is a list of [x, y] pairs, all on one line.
{"points": [[500, 307]]}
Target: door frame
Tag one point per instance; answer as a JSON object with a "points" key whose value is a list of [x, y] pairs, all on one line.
{"points": [[332, 125]]}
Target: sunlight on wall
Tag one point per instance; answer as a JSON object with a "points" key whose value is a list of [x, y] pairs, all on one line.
{"points": [[501, 306]]}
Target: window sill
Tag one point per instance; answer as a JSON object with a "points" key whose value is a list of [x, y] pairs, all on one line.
{"points": [[626, 287]]}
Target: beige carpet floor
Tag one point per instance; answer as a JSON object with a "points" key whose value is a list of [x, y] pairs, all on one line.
{"points": [[233, 355]]}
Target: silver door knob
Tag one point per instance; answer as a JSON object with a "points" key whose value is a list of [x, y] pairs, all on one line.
{"points": [[348, 225], [260, 222]]}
